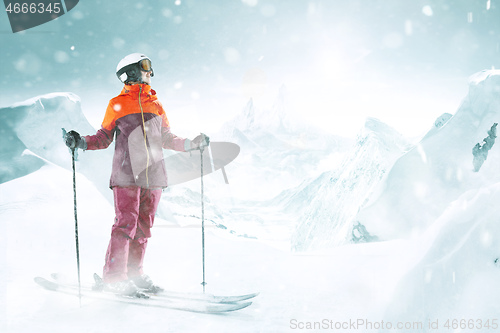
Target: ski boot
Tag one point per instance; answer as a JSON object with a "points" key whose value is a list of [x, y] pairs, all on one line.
{"points": [[144, 283]]}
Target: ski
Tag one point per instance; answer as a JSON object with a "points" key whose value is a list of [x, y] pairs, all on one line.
{"points": [[192, 296], [175, 294], [152, 301], [205, 297]]}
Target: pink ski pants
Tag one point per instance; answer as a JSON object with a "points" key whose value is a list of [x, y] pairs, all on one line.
{"points": [[135, 210]]}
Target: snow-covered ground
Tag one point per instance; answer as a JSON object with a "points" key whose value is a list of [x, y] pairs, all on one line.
{"points": [[436, 219], [37, 216]]}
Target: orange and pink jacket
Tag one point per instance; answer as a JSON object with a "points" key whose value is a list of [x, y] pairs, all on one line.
{"points": [[142, 130]]}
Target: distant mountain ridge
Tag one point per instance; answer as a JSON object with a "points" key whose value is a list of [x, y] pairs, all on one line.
{"points": [[334, 198]]}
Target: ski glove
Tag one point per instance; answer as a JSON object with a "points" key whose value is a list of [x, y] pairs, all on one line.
{"points": [[200, 141], [73, 140]]}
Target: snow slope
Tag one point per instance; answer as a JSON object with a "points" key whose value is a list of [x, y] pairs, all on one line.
{"points": [[382, 281], [423, 182], [306, 288], [457, 278]]}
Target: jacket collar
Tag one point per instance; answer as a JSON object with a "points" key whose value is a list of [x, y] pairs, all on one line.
{"points": [[135, 88]]}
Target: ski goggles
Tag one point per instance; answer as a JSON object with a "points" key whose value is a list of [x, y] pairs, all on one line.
{"points": [[145, 65]]}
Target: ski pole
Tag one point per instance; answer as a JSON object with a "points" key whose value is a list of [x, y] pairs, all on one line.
{"points": [[76, 227], [202, 221]]}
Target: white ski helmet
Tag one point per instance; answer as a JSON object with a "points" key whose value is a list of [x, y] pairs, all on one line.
{"points": [[129, 68]]}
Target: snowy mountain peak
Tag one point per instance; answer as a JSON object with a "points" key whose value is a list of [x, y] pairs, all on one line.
{"points": [[275, 120], [484, 89], [280, 104], [384, 134], [334, 198], [38, 99], [248, 118], [35, 126], [490, 75], [376, 125]]}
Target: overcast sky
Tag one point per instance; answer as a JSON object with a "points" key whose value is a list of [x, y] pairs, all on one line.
{"points": [[402, 61]]}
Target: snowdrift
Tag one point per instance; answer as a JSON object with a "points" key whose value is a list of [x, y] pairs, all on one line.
{"points": [[437, 171], [40, 229], [457, 278]]}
